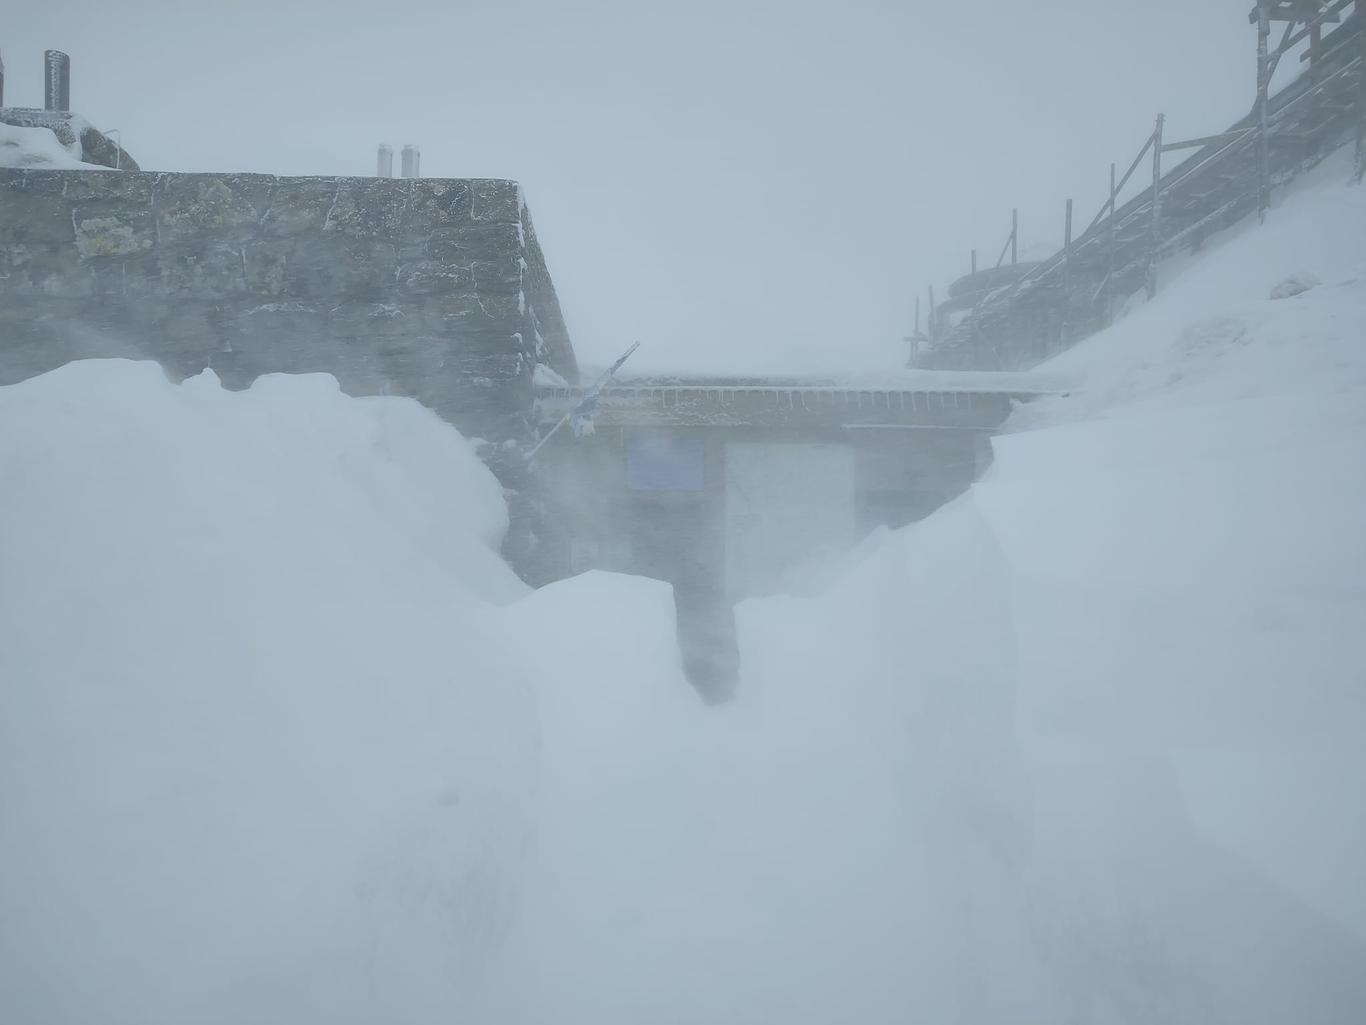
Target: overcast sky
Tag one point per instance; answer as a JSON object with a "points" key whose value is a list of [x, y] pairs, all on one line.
{"points": [[741, 184]]}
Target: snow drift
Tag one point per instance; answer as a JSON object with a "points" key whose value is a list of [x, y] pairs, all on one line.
{"points": [[39, 148], [258, 761]]}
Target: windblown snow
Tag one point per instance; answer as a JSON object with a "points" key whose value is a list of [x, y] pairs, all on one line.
{"points": [[282, 739]]}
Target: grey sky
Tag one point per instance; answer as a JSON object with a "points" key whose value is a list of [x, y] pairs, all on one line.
{"points": [[746, 184]]}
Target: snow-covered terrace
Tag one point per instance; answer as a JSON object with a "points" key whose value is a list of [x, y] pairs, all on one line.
{"points": [[948, 399]]}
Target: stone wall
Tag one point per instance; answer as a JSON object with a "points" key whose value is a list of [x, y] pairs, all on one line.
{"points": [[431, 288]]}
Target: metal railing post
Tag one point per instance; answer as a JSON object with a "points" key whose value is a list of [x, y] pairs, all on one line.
{"points": [[1155, 225], [118, 147], [1110, 245], [1360, 14], [1065, 329], [1263, 89]]}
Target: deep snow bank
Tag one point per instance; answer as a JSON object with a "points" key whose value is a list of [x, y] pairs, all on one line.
{"points": [[1187, 543], [1085, 746], [1182, 558], [259, 760]]}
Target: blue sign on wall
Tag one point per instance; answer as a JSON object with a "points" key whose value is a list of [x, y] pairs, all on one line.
{"points": [[666, 464]]}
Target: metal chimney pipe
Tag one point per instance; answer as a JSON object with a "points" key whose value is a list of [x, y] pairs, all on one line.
{"points": [[385, 163], [411, 161], [56, 80]]}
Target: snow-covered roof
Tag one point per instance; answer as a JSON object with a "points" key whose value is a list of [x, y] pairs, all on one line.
{"points": [[1012, 383], [31, 138], [30, 148], [797, 404]]}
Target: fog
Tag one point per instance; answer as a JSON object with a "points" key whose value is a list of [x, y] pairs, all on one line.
{"points": [[936, 697], [736, 185]]}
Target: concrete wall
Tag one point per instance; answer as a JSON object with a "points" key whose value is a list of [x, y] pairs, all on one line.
{"points": [[431, 288]]}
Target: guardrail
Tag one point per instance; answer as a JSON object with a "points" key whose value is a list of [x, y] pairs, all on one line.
{"points": [[1051, 305]]}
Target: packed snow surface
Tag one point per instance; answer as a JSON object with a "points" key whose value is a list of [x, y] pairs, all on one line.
{"points": [[39, 148], [282, 740]]}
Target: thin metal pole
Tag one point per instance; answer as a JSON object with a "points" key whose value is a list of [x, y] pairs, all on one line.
{"points": [[1360, 15], [1014, 233], [1155, 226], [974, 261], [1067, 235], [1263, 88], [915, 337], [1110, 245], [1067, 274]]}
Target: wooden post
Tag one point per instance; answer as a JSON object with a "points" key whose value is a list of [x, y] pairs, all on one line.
{"points": [[1263, 88], [1014, 233], [1155, 224]]}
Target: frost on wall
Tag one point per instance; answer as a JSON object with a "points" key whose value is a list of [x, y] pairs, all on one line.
{"points": [[434, 289]]}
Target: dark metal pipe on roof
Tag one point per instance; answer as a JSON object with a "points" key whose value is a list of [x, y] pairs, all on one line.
{"points": [[56, 80]]}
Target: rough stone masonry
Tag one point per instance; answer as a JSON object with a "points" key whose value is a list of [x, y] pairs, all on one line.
{"points": [[430, 288]]}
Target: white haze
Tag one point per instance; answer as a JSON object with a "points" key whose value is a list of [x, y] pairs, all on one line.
{"points": [[282, 740], [751, 184]]}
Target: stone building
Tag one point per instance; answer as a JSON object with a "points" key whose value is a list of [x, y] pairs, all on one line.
{"points": [[431, 288], [437, 289]]}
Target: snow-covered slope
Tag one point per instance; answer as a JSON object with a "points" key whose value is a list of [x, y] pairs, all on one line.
{"points": [[1083, 747], [1187, 545]]}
